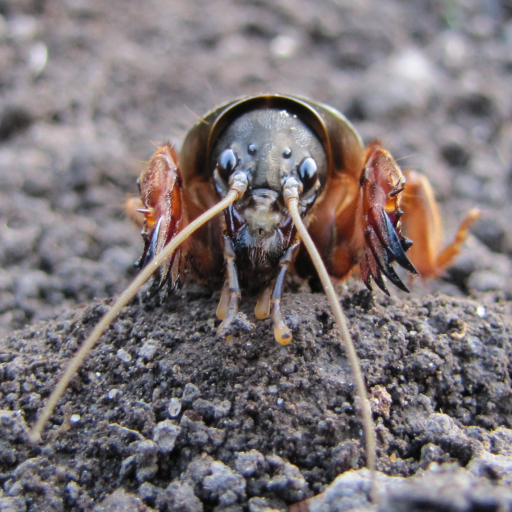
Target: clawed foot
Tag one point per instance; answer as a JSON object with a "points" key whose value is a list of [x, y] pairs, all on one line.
{"points": [[270, 298]]}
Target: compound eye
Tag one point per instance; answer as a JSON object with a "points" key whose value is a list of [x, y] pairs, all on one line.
{"points": [[227, 163], [308, 174]]}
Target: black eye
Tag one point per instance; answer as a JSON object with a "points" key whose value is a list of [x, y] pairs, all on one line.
{"points": [[287, 153], [227, 163], [308, 173], [251, 149]]}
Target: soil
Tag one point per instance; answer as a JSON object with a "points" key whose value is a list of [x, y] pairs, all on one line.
{"points": [[165, 416]]}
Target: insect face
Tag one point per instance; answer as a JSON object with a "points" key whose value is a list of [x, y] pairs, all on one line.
{"points": [[270, 146]]}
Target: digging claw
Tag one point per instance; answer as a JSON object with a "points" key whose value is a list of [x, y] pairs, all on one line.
{"points": [[382, 258], [152, 246], [388, 236]]}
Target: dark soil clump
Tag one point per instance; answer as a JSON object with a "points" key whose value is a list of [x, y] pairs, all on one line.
{"points": [[162, 402]]}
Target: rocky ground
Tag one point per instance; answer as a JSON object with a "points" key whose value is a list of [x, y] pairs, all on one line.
{"points": [[164, 416]]}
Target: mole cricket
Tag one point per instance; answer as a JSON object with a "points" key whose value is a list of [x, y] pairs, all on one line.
{"points": [[250, 176]]}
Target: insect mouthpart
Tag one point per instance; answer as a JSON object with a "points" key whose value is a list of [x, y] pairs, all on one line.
{"points": [[263, 210]]}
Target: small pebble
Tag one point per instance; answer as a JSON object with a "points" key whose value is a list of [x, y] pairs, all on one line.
{"points": [[221, 408], [191, 392], [250, 463], [180, 496], [149, 349], [146, 459], [481, 311], [283, 46], [38, 57], [113, 393], [165, 434], [123, 355], [224, 484], [174, 407]]}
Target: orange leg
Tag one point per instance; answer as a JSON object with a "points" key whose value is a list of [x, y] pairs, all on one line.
{"points": [[422, 223]]}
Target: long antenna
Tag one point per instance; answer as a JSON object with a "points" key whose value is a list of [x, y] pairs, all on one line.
{"points": [[238, 187], [291, 196]]}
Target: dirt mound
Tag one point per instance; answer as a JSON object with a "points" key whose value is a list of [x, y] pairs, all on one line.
{"points": [[162, 404]]}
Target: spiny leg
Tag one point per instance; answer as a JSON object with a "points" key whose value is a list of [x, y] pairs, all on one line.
{"points": [[160, 188], [282, 333], [232, 297], [382, 186]]}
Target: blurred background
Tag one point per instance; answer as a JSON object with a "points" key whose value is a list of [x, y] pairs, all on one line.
{"points": [[87, 87]]}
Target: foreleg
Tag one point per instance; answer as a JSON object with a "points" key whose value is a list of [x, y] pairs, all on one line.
{"points": [[382, 184], [161, 195]]}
